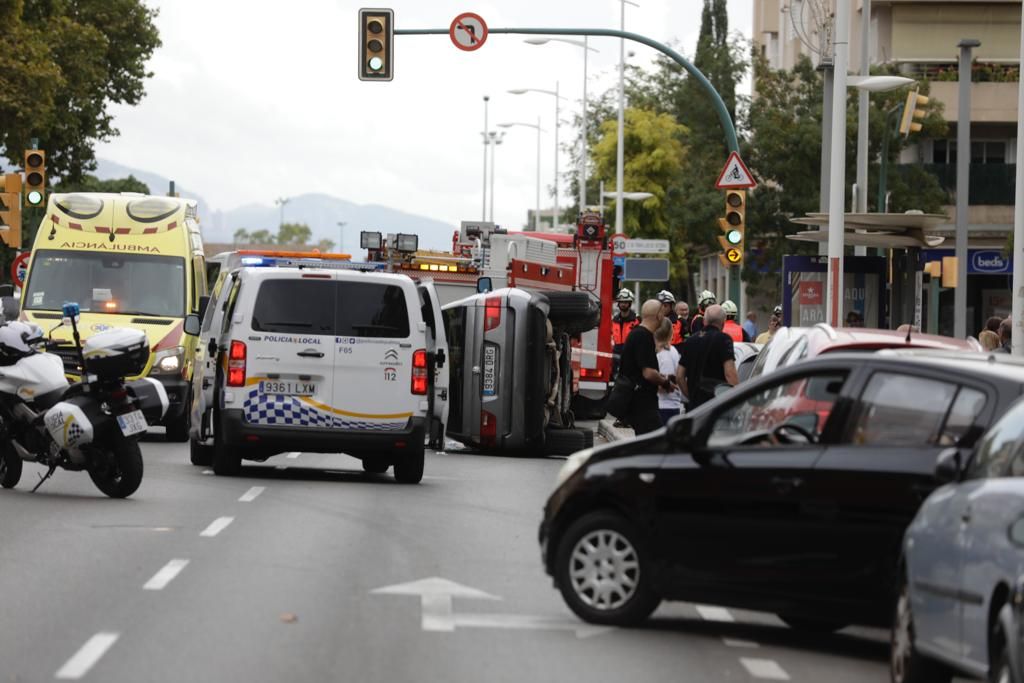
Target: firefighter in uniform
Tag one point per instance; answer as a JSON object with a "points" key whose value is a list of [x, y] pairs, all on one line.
{"points": [[623, 321], [731, 327], [697, 323]]}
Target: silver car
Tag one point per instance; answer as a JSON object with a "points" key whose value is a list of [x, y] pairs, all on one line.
{"points": [[961, 600]]}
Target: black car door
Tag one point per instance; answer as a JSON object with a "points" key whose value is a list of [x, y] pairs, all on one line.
{"points": [[867, 488], [730, 515]]}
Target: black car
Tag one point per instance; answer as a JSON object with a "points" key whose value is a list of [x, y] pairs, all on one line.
{"points": [[789, 494]]}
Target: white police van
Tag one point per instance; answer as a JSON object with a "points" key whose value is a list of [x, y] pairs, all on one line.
{"points": [[314, 358]]}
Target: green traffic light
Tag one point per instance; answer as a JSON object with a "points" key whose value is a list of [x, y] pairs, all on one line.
{"points": [[34, 197], [734, 237]]}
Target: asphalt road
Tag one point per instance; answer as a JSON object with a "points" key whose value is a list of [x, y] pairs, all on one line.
{"points": [[270, 576]]}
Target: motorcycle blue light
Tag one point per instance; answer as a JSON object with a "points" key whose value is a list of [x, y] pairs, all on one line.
{"points": [[71, 309]]}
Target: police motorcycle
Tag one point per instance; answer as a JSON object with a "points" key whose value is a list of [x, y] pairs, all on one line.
{"points": [[93, 424]]}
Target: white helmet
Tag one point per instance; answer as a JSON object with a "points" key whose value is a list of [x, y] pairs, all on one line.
{"points": [[14, 337], [706, 299], [730, 309], [624, 295], [666, 297]]}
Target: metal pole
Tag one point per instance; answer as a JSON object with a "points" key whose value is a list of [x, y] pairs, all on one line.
{"points": [[826, 141], [536, 214], [583, 131], [494, 149], [483, 211], [837, 172], [862, 117], [963, 170], [1017, 286], [558, 110], [619, 149]]}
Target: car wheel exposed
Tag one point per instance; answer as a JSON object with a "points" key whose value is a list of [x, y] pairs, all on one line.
{"points": [[906, 664], [602, 571]]}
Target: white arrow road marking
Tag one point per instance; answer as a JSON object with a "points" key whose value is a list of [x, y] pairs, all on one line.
{"points": [[437, 614], [216, 526], [165, 575], [250, 495], [293, 455], [767, 669], [708, 613], [87, 656]]}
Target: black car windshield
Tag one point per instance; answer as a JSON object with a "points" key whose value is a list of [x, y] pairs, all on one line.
{"points": [[138, 284]]}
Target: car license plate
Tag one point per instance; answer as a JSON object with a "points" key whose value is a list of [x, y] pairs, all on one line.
{"points": [[490, 370], [132, 423], [286, 388]]}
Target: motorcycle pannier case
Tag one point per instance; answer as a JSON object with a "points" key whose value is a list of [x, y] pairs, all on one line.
{"points": [[151, 397], [120, 352]]}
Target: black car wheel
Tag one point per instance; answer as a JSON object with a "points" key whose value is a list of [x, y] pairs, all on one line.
{"points": [[602, 571], [906, 664], [409, 466]]}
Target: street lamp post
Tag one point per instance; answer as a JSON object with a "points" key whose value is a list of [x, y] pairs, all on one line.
{"points": [[558, 111], [494, 139], [583, 119], [341, 236], [281, 201], [963, 159], [837, 172], [620, 145], [536, 212]]}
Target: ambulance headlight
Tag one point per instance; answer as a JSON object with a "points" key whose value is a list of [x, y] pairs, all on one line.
{"points": [[168, 361]]}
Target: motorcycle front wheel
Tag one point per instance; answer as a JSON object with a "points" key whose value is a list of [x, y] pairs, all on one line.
{"points": [[10, 469], [117, 471]]}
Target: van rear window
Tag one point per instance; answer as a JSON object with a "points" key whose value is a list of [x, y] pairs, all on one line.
{"points": [[295, 306], [371, 309]]}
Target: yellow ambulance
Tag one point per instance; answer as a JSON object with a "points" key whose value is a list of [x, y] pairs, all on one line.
{"points": [[129, 260]]}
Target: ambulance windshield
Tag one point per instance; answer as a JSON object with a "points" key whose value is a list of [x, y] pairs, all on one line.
{"points": [[132, 284]]}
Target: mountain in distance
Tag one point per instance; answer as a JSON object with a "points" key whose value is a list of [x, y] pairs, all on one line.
{"points": [[320, 212]]}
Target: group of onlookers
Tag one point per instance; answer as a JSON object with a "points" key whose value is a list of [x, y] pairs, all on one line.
{"points": [[996, 335]]}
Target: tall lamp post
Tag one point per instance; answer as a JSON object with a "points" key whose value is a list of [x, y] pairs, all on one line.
{"points": [[558, 110], [341, 236], [494, 139], [536, 126], [281, 201], [483, 211], [620, 144], [583, 119]]}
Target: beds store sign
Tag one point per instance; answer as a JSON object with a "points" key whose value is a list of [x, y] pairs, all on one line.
{"points": [[991, 261]]}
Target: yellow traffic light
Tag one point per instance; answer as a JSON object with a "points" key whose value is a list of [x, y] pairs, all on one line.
{"points": [[10, 209], [35, 177], [733, 227], [376, 30], [913, 112]]}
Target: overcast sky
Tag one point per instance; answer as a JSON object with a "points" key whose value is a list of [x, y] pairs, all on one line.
{"points": [[253, 100]]}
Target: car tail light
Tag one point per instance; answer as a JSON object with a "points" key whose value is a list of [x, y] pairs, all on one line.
{"points": [[236, 364], [488, 429], [492, 312], [419, 372]]}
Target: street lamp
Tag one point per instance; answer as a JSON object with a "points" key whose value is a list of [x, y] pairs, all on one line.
{"points": [[583, 119], [341, 236], [558, 109], [494, 139], [619, 196], [620, 144], [281, 201], [536, 213]]}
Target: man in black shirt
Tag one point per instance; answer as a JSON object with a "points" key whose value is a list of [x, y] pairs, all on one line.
{"points": [[640, 364], [707, 360]]}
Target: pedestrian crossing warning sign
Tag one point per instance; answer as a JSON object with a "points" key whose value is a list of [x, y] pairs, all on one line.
{"points": [[735, 175]]}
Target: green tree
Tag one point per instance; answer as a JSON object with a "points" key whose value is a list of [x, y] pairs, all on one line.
{"points": [[90, 183], [63, 64], [262, 237], [294, 234], [241, 236], [325, 245]]}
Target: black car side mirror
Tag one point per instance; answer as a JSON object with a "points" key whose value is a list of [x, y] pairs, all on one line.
{"points": [[948, 465], [680, 432], [484, 285]]}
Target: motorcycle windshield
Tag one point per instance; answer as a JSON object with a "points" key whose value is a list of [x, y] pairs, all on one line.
{"points": [[132, 284]]}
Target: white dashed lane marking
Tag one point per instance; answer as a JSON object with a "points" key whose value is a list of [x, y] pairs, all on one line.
{"points": [[87, 656], [735, 642], [218, 525], [250, 495], [767, 669], [293, 455], [165, 575], [709, 613]]}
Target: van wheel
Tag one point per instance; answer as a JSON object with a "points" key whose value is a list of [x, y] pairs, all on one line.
{"points": [[565, 441], [200, 454], [227, 461], [409, 466], [177, 430]]}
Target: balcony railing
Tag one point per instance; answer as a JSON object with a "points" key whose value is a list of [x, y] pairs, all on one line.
{"points": [[990, 184]]}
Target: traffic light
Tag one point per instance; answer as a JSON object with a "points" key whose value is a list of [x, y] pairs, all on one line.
{"points": [[35, 177], [913, 112], [733, 226], [376, 30], [10, 209]]}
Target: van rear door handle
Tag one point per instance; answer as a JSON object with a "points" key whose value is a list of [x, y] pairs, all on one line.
{"points": [[310, 353]]}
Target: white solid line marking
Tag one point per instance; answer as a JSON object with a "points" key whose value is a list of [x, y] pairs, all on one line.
{"points": [[87, 656], [207, 471], [250, 495], [293, 455], [218, 525], [767, 669], [709, 613], [165, 575], [735, 642]]}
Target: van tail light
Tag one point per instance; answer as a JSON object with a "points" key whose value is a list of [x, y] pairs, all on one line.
{"points": [[591, 373], [488, 429], [419, 372], [492, 312], [236, 364]]}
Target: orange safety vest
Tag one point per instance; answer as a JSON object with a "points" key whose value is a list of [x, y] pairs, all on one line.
{"points": [[678, 334], [621, 329], [732, 329]]}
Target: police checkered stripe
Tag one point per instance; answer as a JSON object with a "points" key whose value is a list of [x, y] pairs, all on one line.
{"points": [[74, 433], [272, 409]]}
